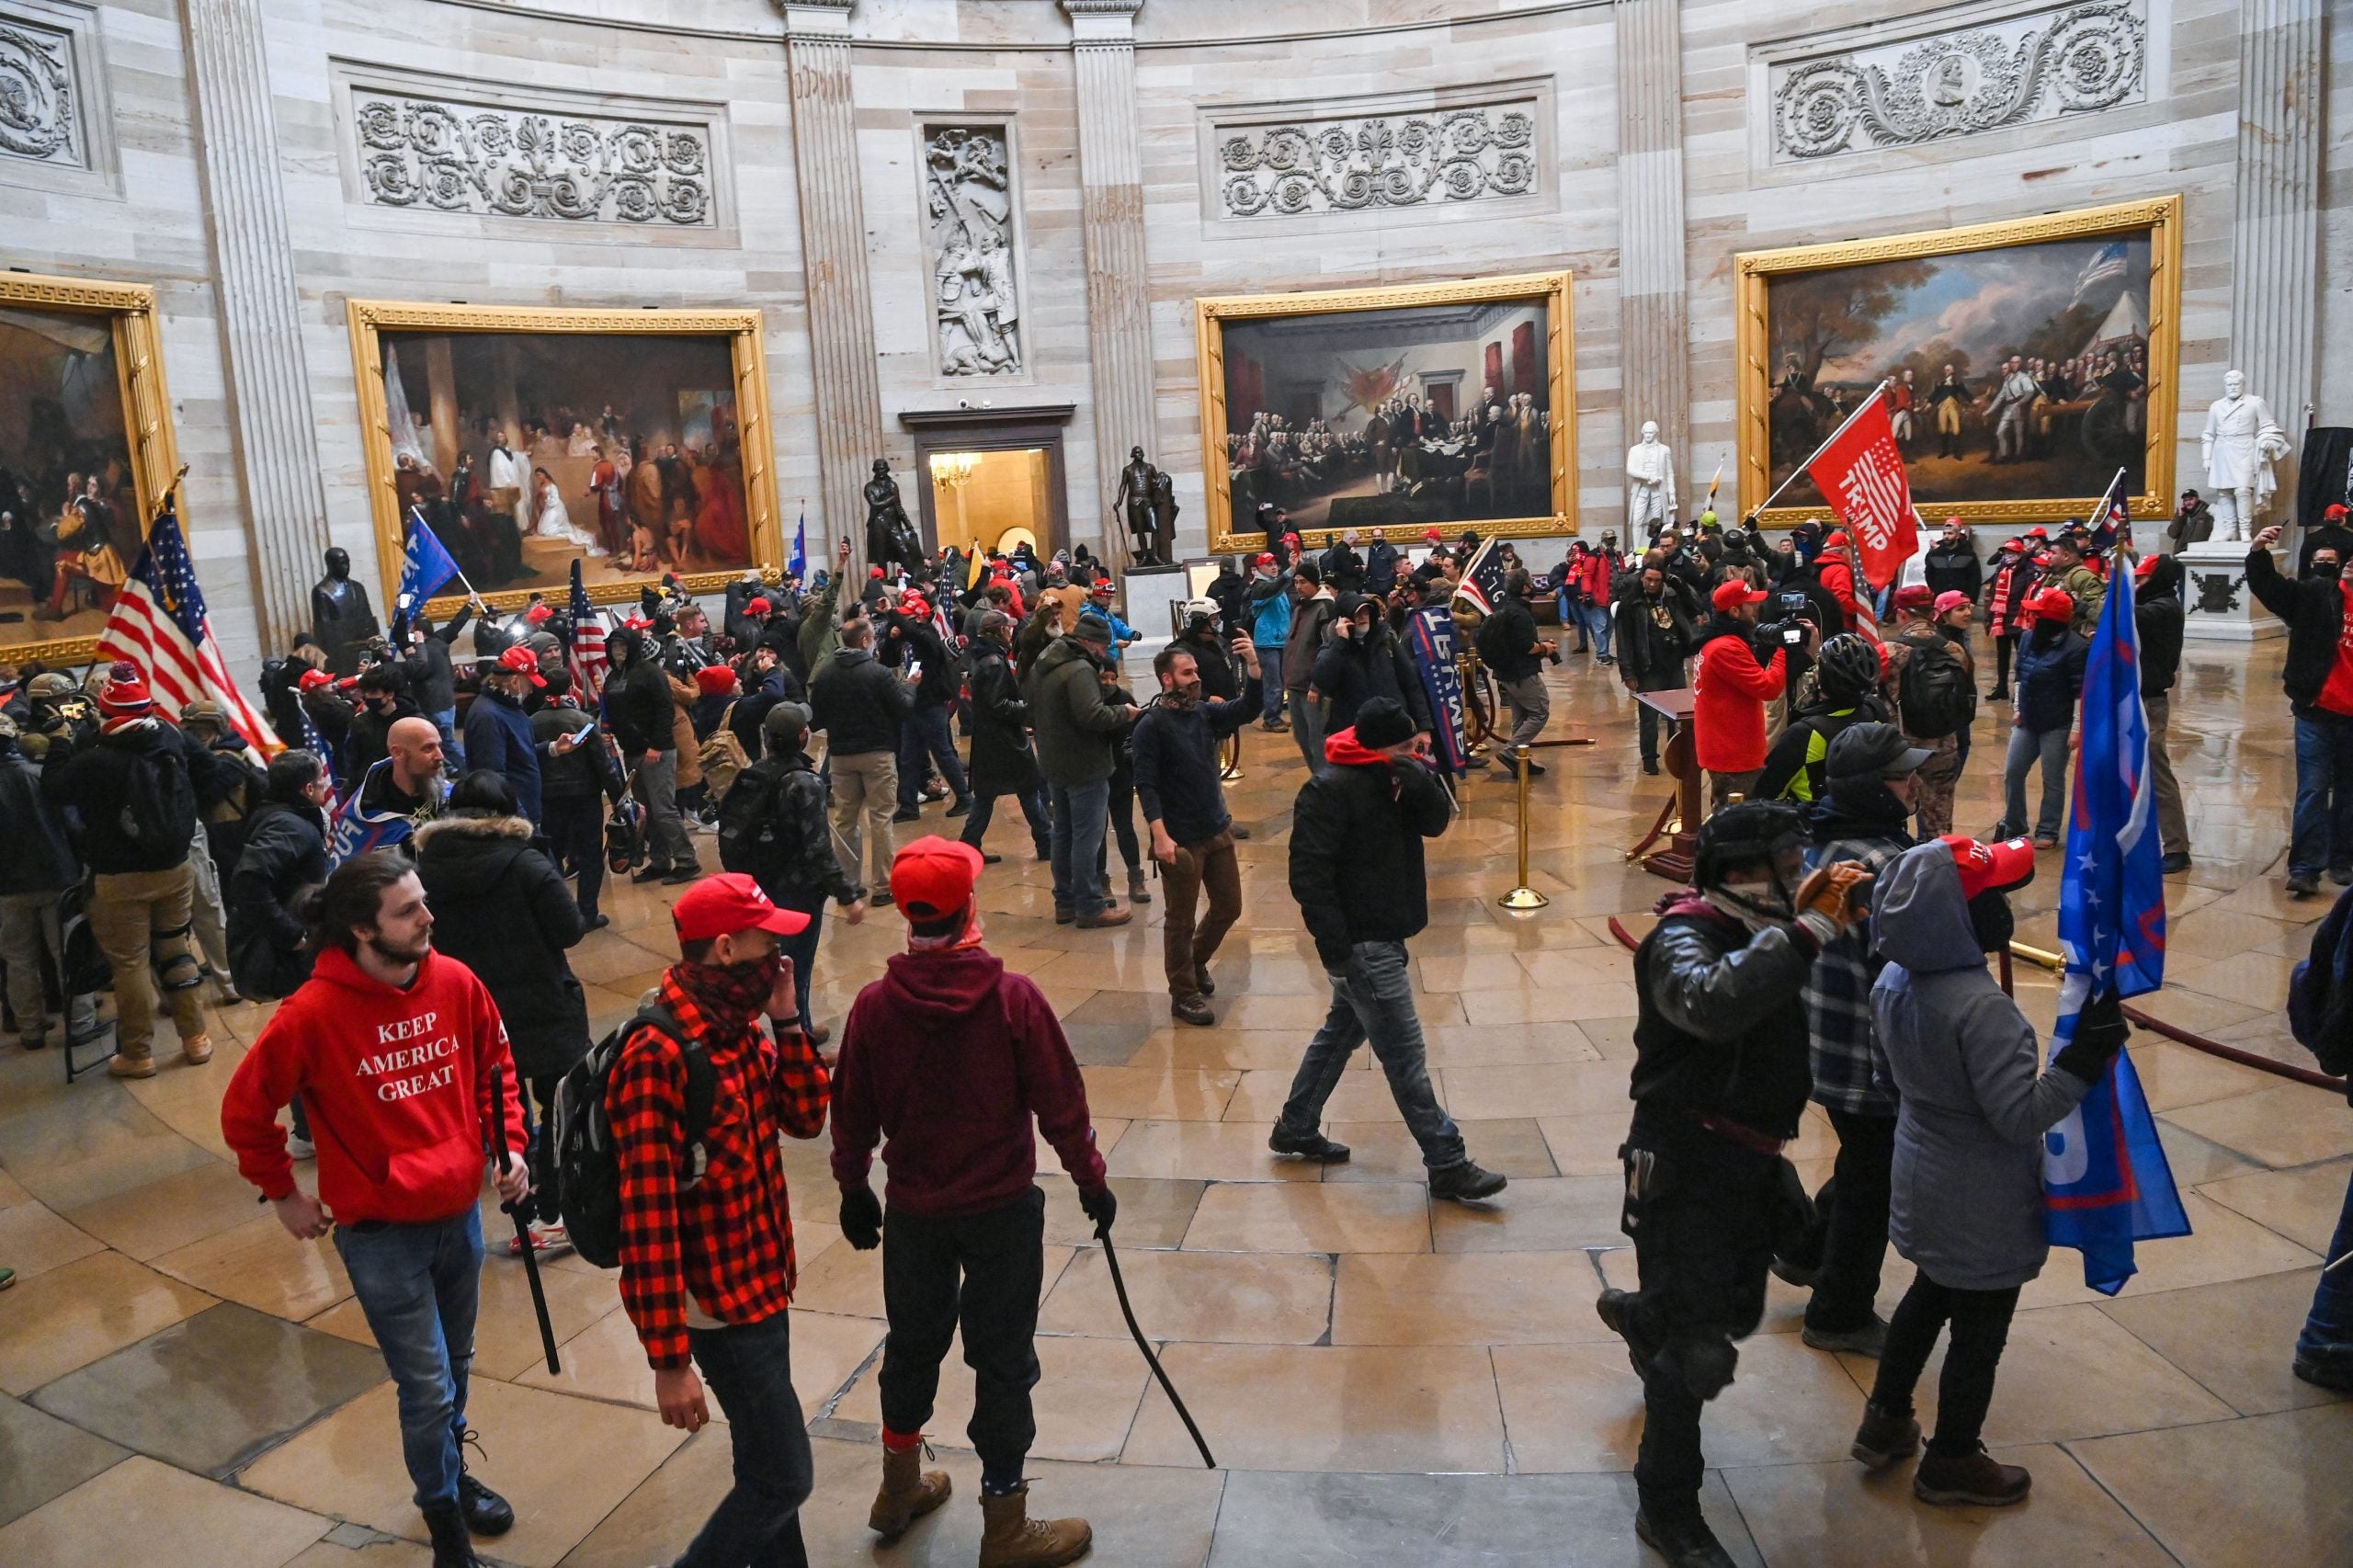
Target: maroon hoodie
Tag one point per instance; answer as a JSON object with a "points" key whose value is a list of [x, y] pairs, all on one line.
{"points": [[948, 1057]]}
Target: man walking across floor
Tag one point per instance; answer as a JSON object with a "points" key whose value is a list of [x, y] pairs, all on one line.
{"points": [[959, 1068], [399, 1055], [1075, 726], [860, 703], [1178, 744], [1355, 869], [1513, 652], [700, 1097]]}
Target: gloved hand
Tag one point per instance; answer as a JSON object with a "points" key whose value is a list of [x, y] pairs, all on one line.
{"points": [[1833, 891], [2100, 1033], [1102, 1206], [861, 1218]]}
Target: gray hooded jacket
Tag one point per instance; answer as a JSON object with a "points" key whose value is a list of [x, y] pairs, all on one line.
{"points": [[1967, 1197]]}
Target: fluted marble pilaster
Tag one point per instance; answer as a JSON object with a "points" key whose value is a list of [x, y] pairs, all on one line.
{"points": [[1654, 324], [273, 423], [2275, 244], [833, 249], [1119, 303]]}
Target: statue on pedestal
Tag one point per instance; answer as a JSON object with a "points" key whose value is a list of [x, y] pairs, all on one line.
{"points": [[2240, 443], [341, 617], [890, 535], [1148, 499], [1650, 484]]}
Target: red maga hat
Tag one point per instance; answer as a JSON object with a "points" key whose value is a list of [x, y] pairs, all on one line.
{"points": [[714, 680], [1990, 867], [538, 613], [1733, 592], [731, 902], [933, 877], [1914, 595], [520, 660]]}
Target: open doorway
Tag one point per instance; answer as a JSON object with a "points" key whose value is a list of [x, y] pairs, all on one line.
{"points": [[1001, 499]]}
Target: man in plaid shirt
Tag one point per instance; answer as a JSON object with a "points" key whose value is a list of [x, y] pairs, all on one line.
{"points": [[1865, 815], [707, 1263]]}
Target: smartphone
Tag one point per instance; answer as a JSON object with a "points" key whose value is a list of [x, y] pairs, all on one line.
{"points": [[915, 669]]}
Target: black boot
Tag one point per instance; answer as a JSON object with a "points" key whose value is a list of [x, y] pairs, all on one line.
{"points": [[451, 1547], [486, 1513], [1684, 1539]]}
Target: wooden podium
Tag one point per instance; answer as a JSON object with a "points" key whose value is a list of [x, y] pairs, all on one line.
{"points": [[1678, 819]]}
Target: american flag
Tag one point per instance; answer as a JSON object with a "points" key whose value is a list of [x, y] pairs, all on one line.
{"points": [[587, 663], [2113, 520], [2111, 260], [158, 624]]}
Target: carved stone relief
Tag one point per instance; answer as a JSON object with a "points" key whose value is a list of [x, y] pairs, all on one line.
{"points": [[39, 110], [2043, 64], [504, 161], [967, 202], [1351, 163]]}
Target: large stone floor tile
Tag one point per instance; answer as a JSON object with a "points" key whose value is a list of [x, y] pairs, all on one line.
{"points": [[1153, 1212], [1479, 1297], [2267, 1489], [2220, 1245], [1564, 1089], [258, 1264], [1317, 1217], [41, 1458], [1204, 1150], [188, 1522], [2175, 1076], [34, 1240], [2236, 1339], [72, 1146], [1347, 1408], [1538, 1214], [146, 1222], [78, 1311], [1540, 1004], [1271, 1299], [2290, 1125], [1085, 1402], [1160, 1094], [2302, 1205]]}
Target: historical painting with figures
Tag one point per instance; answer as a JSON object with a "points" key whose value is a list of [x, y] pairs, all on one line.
{"points": [[2023, 363], [84, 450], [1404, 407], [633, 441]]}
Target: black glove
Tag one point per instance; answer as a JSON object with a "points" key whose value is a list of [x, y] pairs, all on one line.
{"points": [[2100, 1033], [861, 1218], [1102, 1207]]}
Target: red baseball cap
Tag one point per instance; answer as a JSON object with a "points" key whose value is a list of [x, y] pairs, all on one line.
{"points": [[1735, 591], [538, 613], [1952, 600], [2336, 513], [874, 571], [933, 877], [1990, 867], [1265, 559], [314, 679], [759, 607], [2037, 531], [1837, 540], [2148, 565], [520, 660], [714, 680], [1433, 533], [1914, 595], [2056, 603], [731, 902]]}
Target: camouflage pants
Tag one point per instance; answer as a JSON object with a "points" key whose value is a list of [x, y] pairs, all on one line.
{"points": [[1932, 787]]}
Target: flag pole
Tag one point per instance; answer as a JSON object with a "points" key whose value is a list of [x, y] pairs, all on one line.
{"points": [[1861, 405], [414, 512]]}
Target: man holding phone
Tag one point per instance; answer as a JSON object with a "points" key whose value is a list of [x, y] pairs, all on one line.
{"points": [[1730, 688]]}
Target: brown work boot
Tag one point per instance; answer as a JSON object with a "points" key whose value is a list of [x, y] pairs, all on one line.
{"points": [[1884, 1438], [908, 1492], [1109, 914], [124, 1066], [1011, 1539], [197, 1049], [1977, 1479]]}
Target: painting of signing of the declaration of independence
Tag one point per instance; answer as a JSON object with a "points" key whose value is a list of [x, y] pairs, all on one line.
{"points": [[1428, 413], [524, 451], [2017, 372]]}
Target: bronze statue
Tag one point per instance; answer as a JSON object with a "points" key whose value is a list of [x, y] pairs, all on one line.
{"points": [[890, 536], [1146, 497], [341, 617]]}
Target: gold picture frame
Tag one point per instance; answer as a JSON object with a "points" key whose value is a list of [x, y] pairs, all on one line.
{"points": [[130, 312], [1551, 290], [2157, 219], [743, 329]]}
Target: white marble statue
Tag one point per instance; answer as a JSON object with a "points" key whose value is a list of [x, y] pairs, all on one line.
{"points": [[2240, 443], [1649, 481]]}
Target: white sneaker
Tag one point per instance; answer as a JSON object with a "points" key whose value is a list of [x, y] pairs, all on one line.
{"points": [[545, 1239], [301, 1148]]}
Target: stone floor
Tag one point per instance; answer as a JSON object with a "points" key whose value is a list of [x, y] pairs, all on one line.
{"points": [[1388, 1381]]}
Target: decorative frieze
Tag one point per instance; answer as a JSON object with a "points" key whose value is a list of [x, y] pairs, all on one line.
{"points": [[1349, 163], [969, 209], [2041, 64], [534, 161], [40, 112]]}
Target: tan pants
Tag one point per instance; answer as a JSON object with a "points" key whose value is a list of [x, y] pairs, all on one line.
{"points": [[142, 918], [2173, 823], [211, 915], [865, 785], [1723, 787], [1185, 946]]}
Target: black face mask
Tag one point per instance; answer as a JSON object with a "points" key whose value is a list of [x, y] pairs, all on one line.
{"points": [[1991, 920], [2326, 568]]}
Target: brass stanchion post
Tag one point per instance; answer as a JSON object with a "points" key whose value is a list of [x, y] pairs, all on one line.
{"points": [[1523, 896]]}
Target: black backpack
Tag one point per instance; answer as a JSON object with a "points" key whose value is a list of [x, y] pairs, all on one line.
{"points": [[158, 803], [587, 1166], [749, 819], [1940, 698]]}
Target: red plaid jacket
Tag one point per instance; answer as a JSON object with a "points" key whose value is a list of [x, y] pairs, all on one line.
{"points": [[726, 1239]]}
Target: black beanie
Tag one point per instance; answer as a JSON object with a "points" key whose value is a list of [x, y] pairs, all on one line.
{"points": [[1384, 721]]}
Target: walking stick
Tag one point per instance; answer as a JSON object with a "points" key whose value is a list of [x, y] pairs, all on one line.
{"points": [[498, 1143], [1103, 1235]]}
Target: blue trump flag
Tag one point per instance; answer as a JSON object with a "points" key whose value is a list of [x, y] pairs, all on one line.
{"points": [[1429, 642], [426, 565], [2106, 1183], [799, 563]]}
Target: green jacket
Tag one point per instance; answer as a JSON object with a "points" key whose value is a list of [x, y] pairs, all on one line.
{"points": [[1074, 724], [821, 629], [2084, 585]]}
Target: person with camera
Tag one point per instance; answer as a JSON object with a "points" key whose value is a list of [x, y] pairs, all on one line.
{"points": [[1719, 1082], [1730, 688], [1655, 632]]}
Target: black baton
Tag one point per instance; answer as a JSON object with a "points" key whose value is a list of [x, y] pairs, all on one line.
{"points": [[1103, 1235], [522, 1227]]}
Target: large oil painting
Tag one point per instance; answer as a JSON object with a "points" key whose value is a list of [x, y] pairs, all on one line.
{"points": [[2023, 364], [85, 448], [635, 442], [1401, 407]]}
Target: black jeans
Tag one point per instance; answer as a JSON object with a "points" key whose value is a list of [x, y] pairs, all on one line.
{"points": [[803, 948], [1852, 1223], [1033, 808], [1648, 720], [2003, 646], [1981, 1327], [575, 828], [1000, 1257], [1123, 824], [757, 1524]]}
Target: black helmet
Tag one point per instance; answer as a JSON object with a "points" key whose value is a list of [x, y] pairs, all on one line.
{"points": [[1848, 666], [1739, 835]]}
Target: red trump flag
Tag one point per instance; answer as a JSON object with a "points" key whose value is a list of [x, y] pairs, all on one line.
{"points": [[1860, 471]]}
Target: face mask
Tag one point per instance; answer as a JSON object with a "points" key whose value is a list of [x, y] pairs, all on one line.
{"points": [[2325, 568], [735, 991], [1991, 920]]}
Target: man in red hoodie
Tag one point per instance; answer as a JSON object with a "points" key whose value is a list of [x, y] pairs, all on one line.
{"points": [[948, 1057], [1729, 692], [398, 1053]]}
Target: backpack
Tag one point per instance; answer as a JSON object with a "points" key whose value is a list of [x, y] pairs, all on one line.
{"points": [[2320, 1004], [158, 803], [1489, 639], [587, 1166], [723, 758], [748, 820], [1940, 698]]}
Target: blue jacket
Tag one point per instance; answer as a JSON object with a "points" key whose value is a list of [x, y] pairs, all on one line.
{"points": [[2050, 679], [498, 736]]}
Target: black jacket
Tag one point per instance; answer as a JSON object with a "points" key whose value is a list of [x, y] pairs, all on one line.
{"points": [[2313, 608], [1351, 671], [39, 857], [1175, 758], [1380, 567], [431, 675], [1002, 761], [809, 871], [1219, 677], [1648, 652], [1955, 569], [285, 855], [638, 706], [1356, 853], [2158, 615], [502, 909], [587, 770], [858, 701], [1719, 1026], [94, 785], [1513, 641], [370, 742]]}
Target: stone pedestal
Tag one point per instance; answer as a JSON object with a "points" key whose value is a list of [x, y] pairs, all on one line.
{"points": [[1155, 598], [2215, 616]]}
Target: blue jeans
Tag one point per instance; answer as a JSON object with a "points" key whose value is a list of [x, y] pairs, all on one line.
{"points": [[1081, 812], [757, 1524], [1372, 1000], [2026, 745], [803, 948], [1033, 808], [419, 1286], [445, 721], [2328, 1331], [1270, 675], [1597, 626], [926, 732], [2321, 836], [1573, 618]]}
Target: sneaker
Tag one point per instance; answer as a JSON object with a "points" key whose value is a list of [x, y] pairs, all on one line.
{"points": [[1313, 1147], [2302, 884], [1604, 659], [301, 1148], [1192, 1010], [545, 1239], [960, 808], [595, 922], [1201, 981], [1884, 1438], [1977, 1481], [683, 875], [197, 1049], [879, 898], [1109, 914], [2325, 1372], [132, 1067], [1999, 694], [2174, 863], [906, 813], [651, 874], [989, 859], [1865, 1340], [1684, 1539], [1465, 1183]]}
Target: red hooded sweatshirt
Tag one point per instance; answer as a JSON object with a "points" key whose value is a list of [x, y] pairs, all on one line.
{"points": [[948, 1057], [397, 1084]]}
